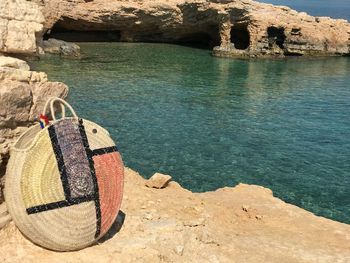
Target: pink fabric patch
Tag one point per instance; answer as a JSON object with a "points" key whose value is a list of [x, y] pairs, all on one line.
{"points": [[109, 170]]}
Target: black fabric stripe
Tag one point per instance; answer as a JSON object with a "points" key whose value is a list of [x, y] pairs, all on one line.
{"points": [[94, 178], [101, 151], [60, 162], [59, 204]]}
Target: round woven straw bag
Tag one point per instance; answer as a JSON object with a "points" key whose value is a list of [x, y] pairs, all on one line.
{"points": [[64, 181]]}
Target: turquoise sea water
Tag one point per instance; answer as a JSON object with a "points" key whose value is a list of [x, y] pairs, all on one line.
{"points": [[333, 8], [212, 122]]}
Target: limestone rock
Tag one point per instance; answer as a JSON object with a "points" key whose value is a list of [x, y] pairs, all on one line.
{"points": [[158, 181], [13, 63], [286, 233], [61, 47], [22, 96], [241, 28], [21, 25], [179, 250]]}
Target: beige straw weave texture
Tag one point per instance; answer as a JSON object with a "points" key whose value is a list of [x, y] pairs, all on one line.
{"points": [[64, 184]]}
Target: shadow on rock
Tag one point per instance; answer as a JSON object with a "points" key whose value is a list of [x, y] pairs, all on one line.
{"points": [[115, 228]]}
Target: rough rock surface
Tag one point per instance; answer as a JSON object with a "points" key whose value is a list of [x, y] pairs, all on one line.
{"points": [[237, 28], [21, 26], [241, 224], [22, 97], [5, 218], [158, 180], [55, 46]]}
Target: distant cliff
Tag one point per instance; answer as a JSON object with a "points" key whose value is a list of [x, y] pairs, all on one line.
{"points": [[236, 28]]}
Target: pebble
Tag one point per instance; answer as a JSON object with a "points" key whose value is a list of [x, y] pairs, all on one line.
{"points": [[245, 208], [258, 217], [179, 250], [148, 216]]}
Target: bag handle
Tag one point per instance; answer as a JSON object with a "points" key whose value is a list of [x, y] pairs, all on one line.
{"points": [[63, 104], [63, 109]]}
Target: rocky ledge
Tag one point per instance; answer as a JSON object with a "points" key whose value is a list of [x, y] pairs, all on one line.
{"points": [[240, 28], [22, 96], [233, 28], [241, 224]]}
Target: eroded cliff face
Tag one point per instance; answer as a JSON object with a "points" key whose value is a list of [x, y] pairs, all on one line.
{"points": [[21, 26], [22, 92], [236, 28]]}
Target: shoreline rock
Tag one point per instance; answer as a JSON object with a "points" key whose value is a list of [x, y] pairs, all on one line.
{"points": [[23, 94], [60, 47], [232, 224], [241, 28], [21, 26]]}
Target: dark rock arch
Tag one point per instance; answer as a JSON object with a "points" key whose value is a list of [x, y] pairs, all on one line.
{"points": [[72, 34], [276, 36], [240, 36]]}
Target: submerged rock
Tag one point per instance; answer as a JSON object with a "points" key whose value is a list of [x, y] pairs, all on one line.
{"points": [[61, 47]]}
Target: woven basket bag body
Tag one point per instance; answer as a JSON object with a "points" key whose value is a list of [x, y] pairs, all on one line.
{"points": [[64, 182]]}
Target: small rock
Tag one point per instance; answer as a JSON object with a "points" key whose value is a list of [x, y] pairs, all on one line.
{"points": [[148, 216], [258, 217], [158, 181], [245, 208], [61, 47], [179, 250]]}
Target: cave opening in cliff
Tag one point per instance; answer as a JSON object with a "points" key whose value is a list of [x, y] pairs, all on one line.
{"points": [[206, 39], [276, 36], [240, 36], [73, 35]]}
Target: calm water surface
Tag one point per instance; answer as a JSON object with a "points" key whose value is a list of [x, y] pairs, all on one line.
{"points": [[212, 122]]}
